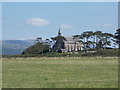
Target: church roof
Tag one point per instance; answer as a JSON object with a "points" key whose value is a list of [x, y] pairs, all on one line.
{"points": [[59, 44], [70, 40]]}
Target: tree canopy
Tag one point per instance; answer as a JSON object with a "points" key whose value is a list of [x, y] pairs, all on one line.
{"points": [[38, 48]]}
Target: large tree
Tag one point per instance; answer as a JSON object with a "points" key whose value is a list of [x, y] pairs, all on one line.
{"points": [[106, 39], [39, 39], [98, 35], [117, 36], [86, 36], [98, 39]]}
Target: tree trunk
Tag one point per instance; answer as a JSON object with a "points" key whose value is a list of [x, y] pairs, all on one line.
{"points": [[94, 42]]}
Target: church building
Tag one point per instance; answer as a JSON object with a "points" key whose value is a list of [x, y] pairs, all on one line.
{"points": [[66, 45], [72, 45]]}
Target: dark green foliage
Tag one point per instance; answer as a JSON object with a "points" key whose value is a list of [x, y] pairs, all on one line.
{"points": [[39, 48], [117, 36], [95, 40], [52, 54], [103, 53]]}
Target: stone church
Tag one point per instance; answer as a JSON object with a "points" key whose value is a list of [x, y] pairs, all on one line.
{"points": [[72, 45], [68, 45]]}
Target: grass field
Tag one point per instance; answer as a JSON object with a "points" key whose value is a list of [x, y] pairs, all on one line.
{"points": [[60, 73]]}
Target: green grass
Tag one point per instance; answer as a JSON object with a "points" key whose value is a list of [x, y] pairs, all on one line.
{"points": [[60, 73]]}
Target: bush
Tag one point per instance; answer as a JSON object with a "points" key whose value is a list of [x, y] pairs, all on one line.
{"points": [[38, 48], [103, 53]]}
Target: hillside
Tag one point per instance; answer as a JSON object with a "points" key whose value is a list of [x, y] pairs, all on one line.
{"points": [[14, 47]]}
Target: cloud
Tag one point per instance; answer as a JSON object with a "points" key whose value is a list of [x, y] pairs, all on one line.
{"points": [[66, 26], [37, 22]]}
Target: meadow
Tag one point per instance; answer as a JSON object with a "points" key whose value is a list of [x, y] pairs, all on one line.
{"points": [[60, 72]]}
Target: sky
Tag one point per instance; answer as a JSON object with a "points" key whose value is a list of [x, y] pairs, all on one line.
{"points": [[29, 20]]}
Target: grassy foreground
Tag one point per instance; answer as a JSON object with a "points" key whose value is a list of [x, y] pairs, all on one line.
{"points": [[60, 73]]}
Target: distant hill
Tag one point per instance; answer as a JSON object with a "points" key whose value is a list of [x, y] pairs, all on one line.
{"points": [[14, 47]]}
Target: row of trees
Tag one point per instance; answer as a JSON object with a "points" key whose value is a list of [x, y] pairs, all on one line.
{"points": [[90, 40], [95, 40]]}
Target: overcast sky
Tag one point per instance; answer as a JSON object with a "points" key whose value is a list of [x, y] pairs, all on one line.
{"points": [[28, 20]]}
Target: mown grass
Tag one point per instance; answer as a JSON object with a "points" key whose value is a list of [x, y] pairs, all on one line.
{"points": [[60, 73]]}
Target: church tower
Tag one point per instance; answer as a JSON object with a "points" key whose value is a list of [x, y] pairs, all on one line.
{"points": [[59, 33], [59, 44]]}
